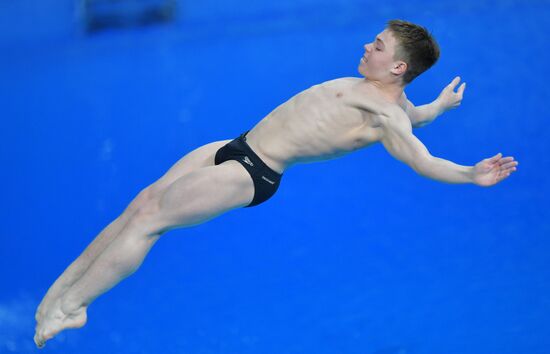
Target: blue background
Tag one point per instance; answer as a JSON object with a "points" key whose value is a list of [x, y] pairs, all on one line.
{"points": [[357, 255]]}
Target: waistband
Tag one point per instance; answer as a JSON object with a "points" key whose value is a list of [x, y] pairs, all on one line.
{"points": [[242, 138]]}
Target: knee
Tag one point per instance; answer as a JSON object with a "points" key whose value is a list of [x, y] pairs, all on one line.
{"points": [[145, 209], [144, 199], [146, 219]]}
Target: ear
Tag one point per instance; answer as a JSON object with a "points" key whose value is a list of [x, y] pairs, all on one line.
{"points": [[399, 68]]}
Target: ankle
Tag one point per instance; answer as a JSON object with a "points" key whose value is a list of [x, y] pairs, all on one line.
{"points": [[70, 305]]}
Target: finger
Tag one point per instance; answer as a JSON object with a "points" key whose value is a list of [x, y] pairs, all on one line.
{"points": [[508, 172], [453, 83], [503, 174], [461, 89], [509, 165], [506, 160], [495, 158]]}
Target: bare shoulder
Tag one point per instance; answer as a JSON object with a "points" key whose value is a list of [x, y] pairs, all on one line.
{"points": [[340, 81], [394, 121], [351, 78], [388, 114], [402, 102]]}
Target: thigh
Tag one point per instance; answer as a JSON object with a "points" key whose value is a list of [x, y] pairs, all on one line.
{"points": [[198, 158], [204, 194]]}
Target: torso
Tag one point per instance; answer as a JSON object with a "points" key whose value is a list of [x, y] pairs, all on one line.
{"points": [[316, 125]]}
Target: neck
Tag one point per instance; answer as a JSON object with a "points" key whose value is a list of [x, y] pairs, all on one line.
{"points": [[391, 92]]}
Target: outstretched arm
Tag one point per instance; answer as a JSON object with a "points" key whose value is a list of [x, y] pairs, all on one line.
{"points": [[400, 142], [425, 114]]}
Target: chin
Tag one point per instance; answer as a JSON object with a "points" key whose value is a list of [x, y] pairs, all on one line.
{"points": [[362, 70]]}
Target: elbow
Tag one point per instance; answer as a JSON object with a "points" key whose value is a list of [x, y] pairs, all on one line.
{"points": [[419, 171], [421, 123]]}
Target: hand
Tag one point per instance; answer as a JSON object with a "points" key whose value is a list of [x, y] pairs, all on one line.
{"points": [[490, 171], [448, 98]]}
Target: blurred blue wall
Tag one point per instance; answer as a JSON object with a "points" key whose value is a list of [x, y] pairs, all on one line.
{"points": [[355, 255]]}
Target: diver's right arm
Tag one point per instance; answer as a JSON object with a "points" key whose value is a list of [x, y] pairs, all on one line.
{"points": [[427, 113]]}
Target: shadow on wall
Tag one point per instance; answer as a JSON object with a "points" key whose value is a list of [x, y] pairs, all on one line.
{"points": [[28, 22], [98, 15]]}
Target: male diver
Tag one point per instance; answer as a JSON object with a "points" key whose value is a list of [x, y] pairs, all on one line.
{"points": [[323, 122]]}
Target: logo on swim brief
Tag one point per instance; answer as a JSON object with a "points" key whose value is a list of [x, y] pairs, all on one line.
{"points": [[247, 161], [265, 179]]}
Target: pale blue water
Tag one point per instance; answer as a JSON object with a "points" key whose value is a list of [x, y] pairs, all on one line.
{"points": [[355, 256]]}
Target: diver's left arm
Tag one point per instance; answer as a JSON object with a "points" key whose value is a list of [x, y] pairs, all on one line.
{"points": [[425, 114], [402, 144]]}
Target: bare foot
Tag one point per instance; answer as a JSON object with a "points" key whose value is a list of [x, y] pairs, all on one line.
{"points": [[45, 303], [56, 320], [55, 291]]}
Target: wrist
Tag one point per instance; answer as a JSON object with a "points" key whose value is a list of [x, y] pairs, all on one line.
{"points": [[471, 174], [437, 108]]}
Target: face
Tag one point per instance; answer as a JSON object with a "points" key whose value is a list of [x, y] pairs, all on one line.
{"points": [[378, 61]]}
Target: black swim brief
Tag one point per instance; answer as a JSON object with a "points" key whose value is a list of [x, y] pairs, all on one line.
{"points": [[266, 181]]}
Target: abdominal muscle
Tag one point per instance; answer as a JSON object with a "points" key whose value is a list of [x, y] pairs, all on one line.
{"points": [[314, 125]]}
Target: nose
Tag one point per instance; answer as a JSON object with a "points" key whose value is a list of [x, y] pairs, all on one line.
{"points": [[367, 47]]}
